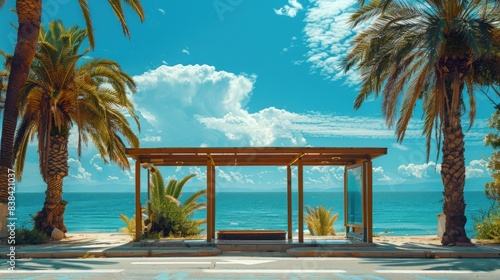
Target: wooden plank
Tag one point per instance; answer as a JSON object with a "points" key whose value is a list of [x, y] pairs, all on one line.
{"points": [[244, 156]]}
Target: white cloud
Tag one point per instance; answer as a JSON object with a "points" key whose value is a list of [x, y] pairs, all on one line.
{"points": [[270, 125], [325, 176], [169, 97], [200, 175], [425, 170], [77, 171], [186, 51], [327, 35], [186, 101], [292, 44], [161, 11], [400, 147], [379, 175], [289, 10], [96, 166], [150, 138], [199, 87], [238, 177], [477, 168], [130, 174], [112, 178], [224, 175]]}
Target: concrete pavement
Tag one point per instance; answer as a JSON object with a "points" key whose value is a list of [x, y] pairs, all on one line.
{"points": [[199, 248]]}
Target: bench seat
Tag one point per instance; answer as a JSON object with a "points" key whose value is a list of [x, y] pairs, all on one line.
{"points": [[251, 235]]}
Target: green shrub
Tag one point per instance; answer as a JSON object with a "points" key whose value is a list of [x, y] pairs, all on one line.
{"points": [[151, 235], [173, 221], [167, 216], [487, 224], [31, 236]]}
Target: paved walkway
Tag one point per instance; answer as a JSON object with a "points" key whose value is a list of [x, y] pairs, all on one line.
{"points": [[113, 248]]}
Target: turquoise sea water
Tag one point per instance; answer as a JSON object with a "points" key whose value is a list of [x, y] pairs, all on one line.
{"points": [[394, 213]]}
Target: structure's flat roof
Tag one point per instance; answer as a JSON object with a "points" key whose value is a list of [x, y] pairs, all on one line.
{"points": [[254, 156]]}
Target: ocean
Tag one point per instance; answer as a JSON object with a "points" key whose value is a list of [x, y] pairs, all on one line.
{"points": [[394, 213]]}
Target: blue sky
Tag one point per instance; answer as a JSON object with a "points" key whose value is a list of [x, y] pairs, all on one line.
{"points": [[246, 73]]}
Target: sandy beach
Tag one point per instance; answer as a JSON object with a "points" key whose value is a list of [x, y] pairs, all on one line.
{"points": [[119, 238]]}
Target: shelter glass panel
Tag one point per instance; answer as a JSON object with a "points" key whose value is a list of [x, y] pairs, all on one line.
{"points": [[354, 196]]}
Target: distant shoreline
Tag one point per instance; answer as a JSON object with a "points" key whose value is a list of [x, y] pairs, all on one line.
{"points": [[263, 191]]}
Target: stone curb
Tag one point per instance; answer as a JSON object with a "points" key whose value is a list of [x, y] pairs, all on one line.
{"points": [[304, 252], [159, 252], [194, 252]]}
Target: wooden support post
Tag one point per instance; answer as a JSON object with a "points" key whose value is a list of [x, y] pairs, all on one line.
{"points": [[369, 201], [289, 200], [345, 202], [300, 205], [213, 199], [138, 214], [209, 201], [149, 182]]}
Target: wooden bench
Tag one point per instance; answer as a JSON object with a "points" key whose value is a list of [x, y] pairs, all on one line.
{"points": [[251, 235]]}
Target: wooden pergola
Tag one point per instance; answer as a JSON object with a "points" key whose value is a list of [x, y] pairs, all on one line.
{"points": [[258, 156]]}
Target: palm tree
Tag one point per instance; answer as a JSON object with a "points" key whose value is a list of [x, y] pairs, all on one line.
{"points": [[165, 200], [59, 94], [425, 50], [29, 14], [173, 191], [320, 221]]}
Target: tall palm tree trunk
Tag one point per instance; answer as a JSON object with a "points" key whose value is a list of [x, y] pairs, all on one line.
{"points": [[51, 215], [453, 176], [29, 14], [453, 165]]}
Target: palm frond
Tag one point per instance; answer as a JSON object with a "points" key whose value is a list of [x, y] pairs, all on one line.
{"points": [[177, 191], [129, 225], [320, 221], [408, 51], [172, 199], [84, 6]]}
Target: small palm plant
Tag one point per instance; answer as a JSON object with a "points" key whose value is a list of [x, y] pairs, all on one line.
{"points": [[129, 225], [167, 215], [171, 192], [320, 221]]}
